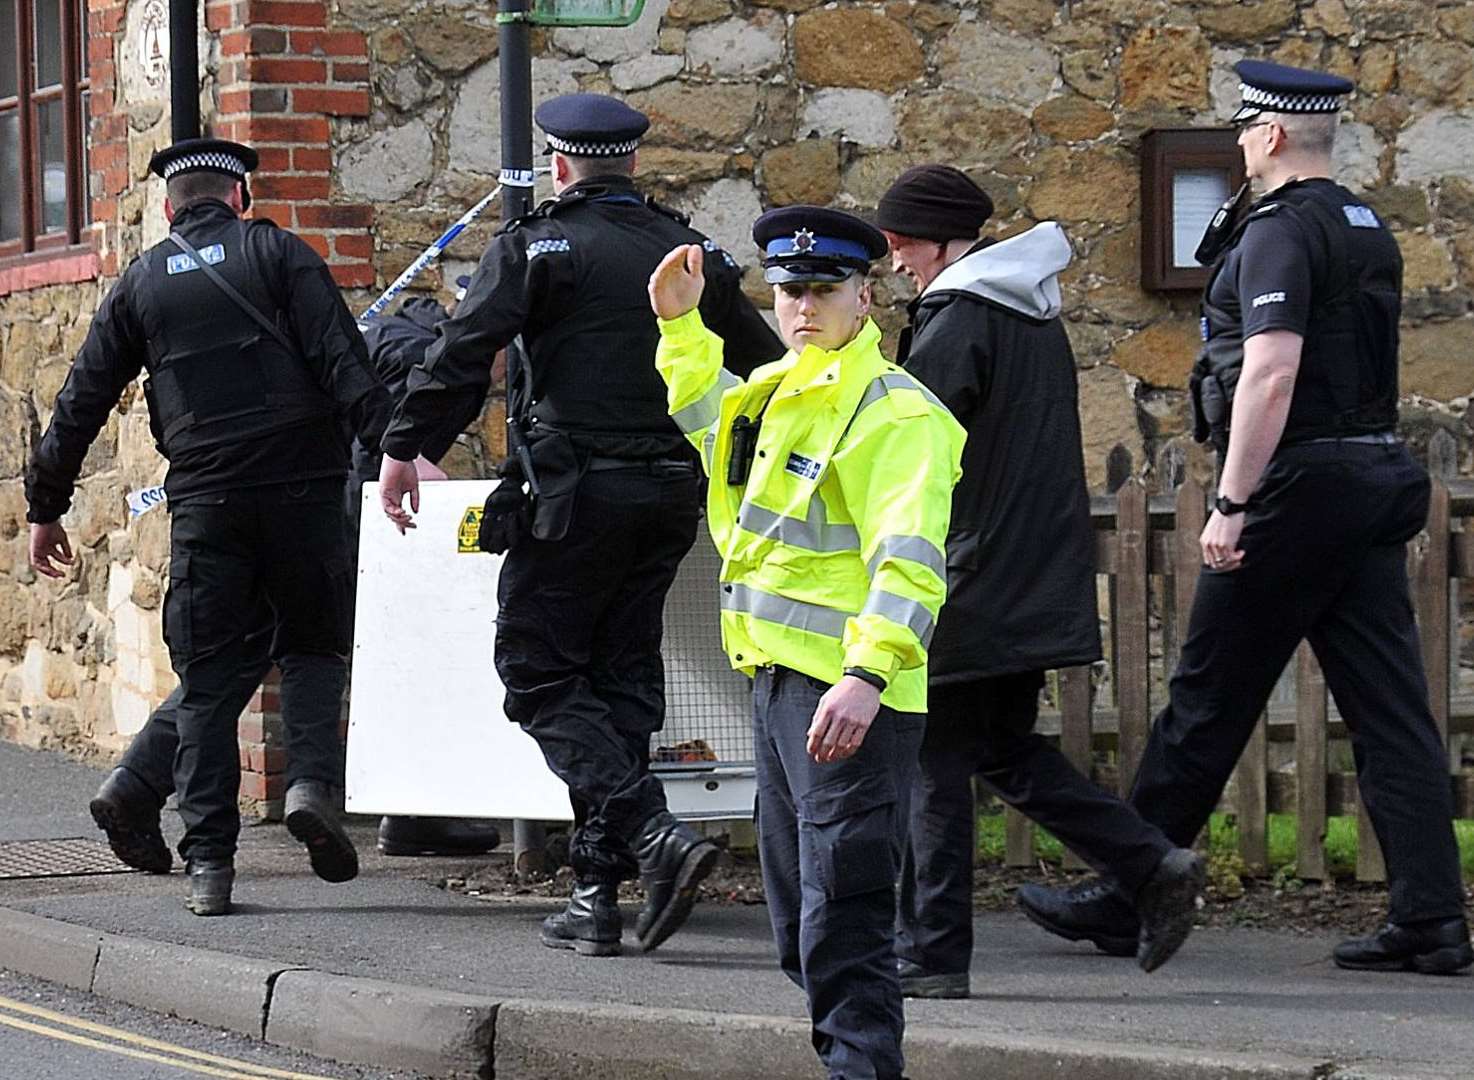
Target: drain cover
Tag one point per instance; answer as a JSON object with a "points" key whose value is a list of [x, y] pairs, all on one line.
{"points": [[57, 858]]}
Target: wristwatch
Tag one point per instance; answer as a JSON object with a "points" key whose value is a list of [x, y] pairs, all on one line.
{"points": [[1227, 507], [866, 676]]}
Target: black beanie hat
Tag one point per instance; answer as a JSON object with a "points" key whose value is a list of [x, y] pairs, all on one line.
{"points": [[934, 202]]}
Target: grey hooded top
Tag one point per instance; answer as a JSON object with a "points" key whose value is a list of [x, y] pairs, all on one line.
{"points": [[987, 338]]}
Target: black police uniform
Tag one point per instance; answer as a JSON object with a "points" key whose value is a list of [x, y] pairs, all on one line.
{"points": [[1324, 536], [1324, 532], [255, 437], [581, 598]]}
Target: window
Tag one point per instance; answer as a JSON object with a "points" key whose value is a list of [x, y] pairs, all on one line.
{"points": [[1186, 175], [43, 124]]}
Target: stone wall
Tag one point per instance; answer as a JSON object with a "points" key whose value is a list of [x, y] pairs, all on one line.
{"points": [[753, 104], [762, 103]]}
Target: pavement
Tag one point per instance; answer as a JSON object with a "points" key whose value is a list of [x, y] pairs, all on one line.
{"points": [[393, 970]]}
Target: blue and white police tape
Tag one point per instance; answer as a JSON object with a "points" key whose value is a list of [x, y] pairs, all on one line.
{"points": [[509, 178], [141, 502]]}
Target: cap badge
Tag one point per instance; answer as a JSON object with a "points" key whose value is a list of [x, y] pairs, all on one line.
{"points": [[803, 240]]}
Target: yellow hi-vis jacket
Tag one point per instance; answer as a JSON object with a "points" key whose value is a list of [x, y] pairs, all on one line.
{"points": [[833, 551]]}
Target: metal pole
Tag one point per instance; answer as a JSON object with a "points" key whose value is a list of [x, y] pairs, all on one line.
{"points": [[515, 65], [515, 58], [184, 69]]}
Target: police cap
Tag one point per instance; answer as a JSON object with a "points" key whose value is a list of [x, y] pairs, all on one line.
{"points": [[204, 155], [815, 243], [1266, 87], [591, 125]]}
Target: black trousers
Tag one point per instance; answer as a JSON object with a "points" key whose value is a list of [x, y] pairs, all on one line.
{"points": [[830, 841], [578, 649], [284, 546], [985, 728], [150, 756], [1325, 562]]}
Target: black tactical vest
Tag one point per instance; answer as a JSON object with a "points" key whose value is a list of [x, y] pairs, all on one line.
{"points": [[1347, 381], [593, 366], [216, 376]]}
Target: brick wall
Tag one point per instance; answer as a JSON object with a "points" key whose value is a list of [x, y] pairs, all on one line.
{"points": [[284, 76], [108, 150]]}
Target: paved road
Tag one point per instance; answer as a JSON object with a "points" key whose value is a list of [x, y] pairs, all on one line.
{"points": [[48, 1032]]}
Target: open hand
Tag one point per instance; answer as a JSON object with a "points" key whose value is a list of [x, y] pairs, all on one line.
{"points": [[397, 479], [50, 542], [676, 286]]}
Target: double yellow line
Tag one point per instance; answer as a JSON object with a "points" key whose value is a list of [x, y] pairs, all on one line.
{"points": [[55, 1025]]}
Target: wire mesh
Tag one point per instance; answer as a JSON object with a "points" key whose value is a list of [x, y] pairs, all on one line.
{"points": [[708, 706]]}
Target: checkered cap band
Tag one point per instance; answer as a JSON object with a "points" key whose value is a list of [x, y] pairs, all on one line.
{"points": [[1270, 101], [593, 149], [227, 163]]}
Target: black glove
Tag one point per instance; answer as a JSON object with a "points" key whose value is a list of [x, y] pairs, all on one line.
{"points": [[507, 514]]}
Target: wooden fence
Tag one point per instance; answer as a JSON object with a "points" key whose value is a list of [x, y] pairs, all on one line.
{"points": [[1148, 539]]}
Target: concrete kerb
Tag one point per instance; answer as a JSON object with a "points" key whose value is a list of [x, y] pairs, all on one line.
{"points": [[56, 951], [209, 987], [444, 1033], [368, 1021], [358, 1021], [549, 1040]]}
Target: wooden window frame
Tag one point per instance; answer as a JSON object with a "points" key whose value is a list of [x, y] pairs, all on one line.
{"points": [[32, 244], [1163, 152]]}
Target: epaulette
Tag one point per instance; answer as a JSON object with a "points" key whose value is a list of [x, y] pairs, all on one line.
{"points": [[673, 214], [545, 209]]}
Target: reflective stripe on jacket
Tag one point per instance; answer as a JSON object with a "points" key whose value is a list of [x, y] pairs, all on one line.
{"points": [[832, 552]]}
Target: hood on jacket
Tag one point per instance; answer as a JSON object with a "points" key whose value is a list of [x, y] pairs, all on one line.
{"points": [[1020, 273]]}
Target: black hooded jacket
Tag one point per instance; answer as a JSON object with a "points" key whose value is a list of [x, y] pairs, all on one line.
{"points": [[986, 336]]}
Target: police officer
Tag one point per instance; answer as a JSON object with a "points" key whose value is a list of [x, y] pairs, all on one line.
{"points": [[986, 336], [254, 370], [582, 589], [1306, 541], [129, 812], [831, 487]]}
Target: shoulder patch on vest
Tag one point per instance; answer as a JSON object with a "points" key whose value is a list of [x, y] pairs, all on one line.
{"points": [[1361, 217], [184, 262], [546, 247]]}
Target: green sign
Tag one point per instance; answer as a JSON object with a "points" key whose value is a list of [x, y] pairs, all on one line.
{"points": [[585, 12]]}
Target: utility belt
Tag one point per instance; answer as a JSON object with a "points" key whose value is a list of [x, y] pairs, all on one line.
{"points": [[1379, 438], [659, 466], [540, 482]]}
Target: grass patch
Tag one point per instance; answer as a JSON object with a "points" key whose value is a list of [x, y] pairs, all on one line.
{"points": [[1224, 841]]}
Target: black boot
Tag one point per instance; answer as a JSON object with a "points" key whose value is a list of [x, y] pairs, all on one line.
{"points": [[591, 925], [399, 835], [1440, 947], [673, 861], [1090, 911], [209, 885], [128, 811], [1167, 904], [917, 982], [313, 819]]}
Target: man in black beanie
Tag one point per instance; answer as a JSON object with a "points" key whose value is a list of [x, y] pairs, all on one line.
{"points": [[986, 336]]}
